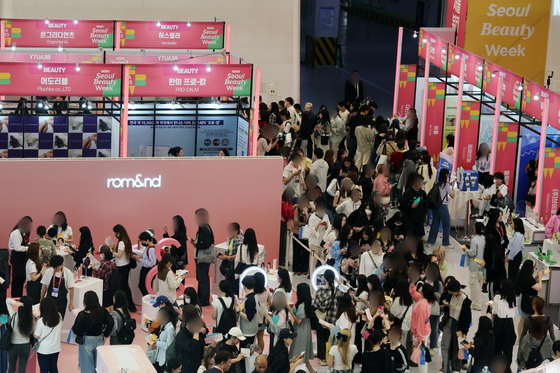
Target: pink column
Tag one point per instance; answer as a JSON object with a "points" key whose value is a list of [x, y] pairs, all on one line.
{"points": [[3, 36], [228, 41], [497, 106], [458, 115], [425, 94], [118, 36], [124, 114], [397, 73], [540, 169]]}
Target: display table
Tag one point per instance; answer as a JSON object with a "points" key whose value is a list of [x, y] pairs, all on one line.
{"points": [[459, 206], [81, 286], [148, 309], [533, 233], [551, 280], [118, 359]]}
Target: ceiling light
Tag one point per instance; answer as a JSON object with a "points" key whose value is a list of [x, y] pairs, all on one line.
{"points": [[39, 65], [424, 40], [40, 104], [189, 23], [131, 104], [536, 97], [158, 23], [89, 105], [47, 21], [208, 68], [75, 21], [479, 67], [60, 48], [415, 35], [14, 46], [494, 74], [175, 67], [457, 56], [520, 87], [77, 66]]}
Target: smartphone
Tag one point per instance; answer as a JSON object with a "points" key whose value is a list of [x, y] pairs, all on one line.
{"points": [[394, 184], [417, 200], [425, 182], [381, 308]]}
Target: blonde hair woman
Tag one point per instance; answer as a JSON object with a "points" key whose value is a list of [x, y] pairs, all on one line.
{"points": [[439, 253], [343, 352]]}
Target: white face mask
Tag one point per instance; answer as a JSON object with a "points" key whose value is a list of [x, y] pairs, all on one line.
{"points": [[187, 300], [368, 212]]}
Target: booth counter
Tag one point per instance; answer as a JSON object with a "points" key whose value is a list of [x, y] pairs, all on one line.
{"points": [[118, 359], [81, 286], [459, 206], [534, 233]]}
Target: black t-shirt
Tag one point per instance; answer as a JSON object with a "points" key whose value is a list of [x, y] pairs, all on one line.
{"points": [[527, 295], [367, 187], [235, 367], [379, 361], [399, 357]]}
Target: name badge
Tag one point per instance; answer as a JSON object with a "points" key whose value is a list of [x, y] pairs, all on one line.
{"points": [[55, 292]]}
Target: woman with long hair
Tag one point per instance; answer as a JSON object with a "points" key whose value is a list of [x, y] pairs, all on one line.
{"points": [[85, 247], [180, 234], [402, 309], [482, 163], [18, 244], [284, 284], [22, 323], [530, 287], [263, 300], [119, 314], [191, 297], [325, 304], [425, 298], [538, 307], [286, 214], [494, 264], [346, 314], [303, 340], [332, 235], [168, 320], [225, 300], [441, 214], [233, 244], [249, 254], [34, 271], [428, 172], [536, 340], [515, 249], [496, 227], [122, 252], [340, 246], [61, 224], [376, 359], [482, 346], [93, 324], [343, 194], [343, 352], [207, 359], [503, 307], [47, 330], [168, 281], [148, 260]]}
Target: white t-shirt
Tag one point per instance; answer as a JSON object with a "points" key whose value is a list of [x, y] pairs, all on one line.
{"points": [[296, 182], [334, 352], [123, 260], [344, 323], [502, 188], [49, 337], [344, 115], [367, 266], [218, 306], [67, 233], [68, 277], [30, 267]]}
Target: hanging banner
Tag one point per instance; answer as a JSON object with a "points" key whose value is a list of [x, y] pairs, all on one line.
{"points": [[511, 84], [531, 102], [171, 35], [508, 134], [37, 33], [470, 118], [48, 79], [438, 49], [473, 74], [434, 118], [554, 110], [190, 80], [511, 33], [407, 89], [551, 183], [457, 18], [54, 57], [142, 58]]}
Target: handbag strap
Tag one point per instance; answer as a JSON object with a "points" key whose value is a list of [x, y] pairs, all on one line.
{"points": [[404, 314], [371, 257]]}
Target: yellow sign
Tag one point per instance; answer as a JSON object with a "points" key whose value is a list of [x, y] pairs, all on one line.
{"points": [[510, 33]]}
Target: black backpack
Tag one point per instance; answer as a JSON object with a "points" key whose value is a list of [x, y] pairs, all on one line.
{"points": [[434, 198], [114, 280], [228, 319], [5, 272], [535, 358], [125, 335]]}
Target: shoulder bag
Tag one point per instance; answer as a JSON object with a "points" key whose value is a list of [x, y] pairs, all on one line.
{"points": [[206, 255], [6, 340]]}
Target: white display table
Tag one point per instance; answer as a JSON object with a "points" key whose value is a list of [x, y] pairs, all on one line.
{"points": [[533, 233], [81, 286], [459, 205], [551, 280], [118, 359], [148, 309]]}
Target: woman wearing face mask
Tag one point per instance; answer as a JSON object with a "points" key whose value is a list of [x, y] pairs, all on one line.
{"points": [[397, 225], [367, 181], [363, 216], [191, 297], [148, 260]]}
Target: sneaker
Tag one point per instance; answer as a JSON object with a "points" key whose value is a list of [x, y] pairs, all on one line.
{"points": [[465, 366], [449, 247], [476, 308], [432, 352], [323, 362]]}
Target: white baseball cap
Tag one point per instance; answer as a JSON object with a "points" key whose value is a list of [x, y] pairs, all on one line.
{"points": [[236, 332]]}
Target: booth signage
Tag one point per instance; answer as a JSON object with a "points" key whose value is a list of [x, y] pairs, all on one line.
{"points": [[438, 49], [20, 79], [36, 33], [472, 74], [190, 80], [138, 59], [470, 119], [457, 18], [508, 135], [434, 118], [171, 35], [137, 182], [54, 57], [531, 102], [407, 89], [550, 188], [511, 33]]}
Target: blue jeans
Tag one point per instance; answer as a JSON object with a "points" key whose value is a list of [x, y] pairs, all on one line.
{"points": [[87, 353], [434, 323], [441, 214], [48, 363]]}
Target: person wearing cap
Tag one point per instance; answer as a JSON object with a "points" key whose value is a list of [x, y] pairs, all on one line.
{"points": [[148, 260], [106, 267], [233, 338], [278, 358]]}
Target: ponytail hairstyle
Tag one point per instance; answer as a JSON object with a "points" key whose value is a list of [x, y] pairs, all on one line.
{"points": [[148, 235], [329, 277], [225, 287], [427, 160], [162, 266], [343, 344]]}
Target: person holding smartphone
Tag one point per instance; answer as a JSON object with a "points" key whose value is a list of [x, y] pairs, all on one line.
{"points": [[441, 214]]}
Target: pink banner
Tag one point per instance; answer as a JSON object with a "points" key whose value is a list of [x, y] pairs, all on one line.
{"points": [[470, 119], [55, 57], [37, 33], [438, 49], [530, 103], [554, 110], [172, 35], [407, 89], [508, 134], [511, 92], [489, 82], [434, 118], [473, 74], [551, 182], [190, 80], [24, 79], [138, 59], [457, 18]]}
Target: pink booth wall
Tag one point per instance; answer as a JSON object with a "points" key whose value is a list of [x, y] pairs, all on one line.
{"points": [[245, 190]]}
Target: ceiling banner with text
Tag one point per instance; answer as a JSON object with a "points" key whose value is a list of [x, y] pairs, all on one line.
{"points": [[510, 33]]}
